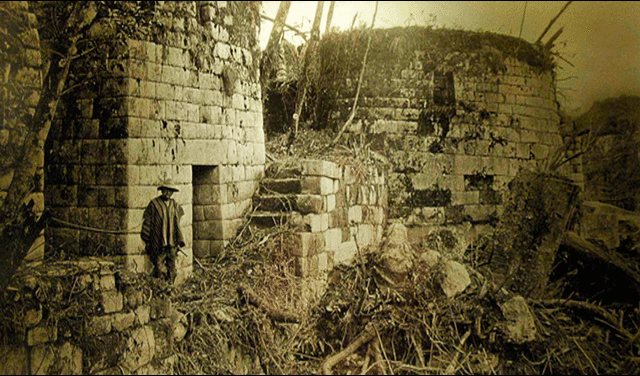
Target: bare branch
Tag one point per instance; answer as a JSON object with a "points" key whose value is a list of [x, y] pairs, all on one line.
{"points": [[364, 64], [552, 21]]}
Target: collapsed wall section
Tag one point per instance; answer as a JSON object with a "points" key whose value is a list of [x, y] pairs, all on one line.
{"points": [[456, 114], [351, 217], [180, 103], [87, 317]]}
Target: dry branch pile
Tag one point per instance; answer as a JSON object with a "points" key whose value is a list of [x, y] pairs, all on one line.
{"points": [[247, 316]]}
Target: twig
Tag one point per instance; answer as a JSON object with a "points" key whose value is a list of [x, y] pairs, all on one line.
{"points": [[555, 36], [585, 355], [609, 319], [92, 229], [367, 358], [380, 349], [364, 64], [524, 12], [417, 370], [355, 16], [418, 347], [563, 59], [451, 368], [272, 312], [309, 53]]}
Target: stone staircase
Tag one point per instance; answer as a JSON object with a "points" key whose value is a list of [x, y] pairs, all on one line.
{"points": [[276, 201], [330, 212]]}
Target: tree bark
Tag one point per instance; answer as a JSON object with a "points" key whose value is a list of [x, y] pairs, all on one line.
{"points": [[309, 54], [269, 62], [18, 227]]}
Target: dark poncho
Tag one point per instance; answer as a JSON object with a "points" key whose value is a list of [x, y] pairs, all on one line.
{"points": [[161, 224]]}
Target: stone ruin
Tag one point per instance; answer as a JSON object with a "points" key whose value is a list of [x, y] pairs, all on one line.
{"points": [[455, 113], [184, 104]]}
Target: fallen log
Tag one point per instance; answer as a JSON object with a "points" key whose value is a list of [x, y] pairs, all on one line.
{"points": [[367, 335], [592, 250]]}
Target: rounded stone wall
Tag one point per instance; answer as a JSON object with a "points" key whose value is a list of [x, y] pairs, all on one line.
{"points": [[181, 101], [455, 113]]}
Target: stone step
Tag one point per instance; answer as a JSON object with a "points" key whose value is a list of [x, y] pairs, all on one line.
{"points": [[275, 203], [270, 219], [279, 171], [284, 186], [304, 204]]}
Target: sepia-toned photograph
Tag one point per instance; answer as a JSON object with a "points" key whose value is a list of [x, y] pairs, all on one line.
{"points": [[319, 187]]}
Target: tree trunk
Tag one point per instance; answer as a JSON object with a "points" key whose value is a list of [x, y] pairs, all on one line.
{"points": [[352, 114], [18, 227], [602, 256], [269, 62], [327, 28], [30, 156], [310, 53]]}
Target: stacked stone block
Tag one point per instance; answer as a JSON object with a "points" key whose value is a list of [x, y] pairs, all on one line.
{"points": [[455, 134], [336, 210], [217, 221], [19, 96], [108, 326], [183, 105]]}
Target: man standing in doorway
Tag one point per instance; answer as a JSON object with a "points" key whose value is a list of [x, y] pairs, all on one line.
{"points": [[161, 231]]}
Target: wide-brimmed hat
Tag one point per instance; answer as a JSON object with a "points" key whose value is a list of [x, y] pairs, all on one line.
{"points": [[168, 184]]}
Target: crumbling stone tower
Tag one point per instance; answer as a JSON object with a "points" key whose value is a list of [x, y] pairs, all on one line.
{"points": [[182, 103], [456, 113]]}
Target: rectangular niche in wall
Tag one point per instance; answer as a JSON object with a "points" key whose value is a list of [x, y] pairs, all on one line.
{"points": [[443, 89], [206, 210]]}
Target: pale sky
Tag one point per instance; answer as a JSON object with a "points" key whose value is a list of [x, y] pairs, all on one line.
{"points": [[601, 39]]}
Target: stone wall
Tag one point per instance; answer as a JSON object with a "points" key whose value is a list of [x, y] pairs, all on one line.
{"points": [[456, 113], [335, 210], [87, 317], [352, 217], [182, 103], [609, 134], [21, 84]]}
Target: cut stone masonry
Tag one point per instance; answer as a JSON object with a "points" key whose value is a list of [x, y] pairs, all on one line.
{"points": [[185, 106], [333, 211]]}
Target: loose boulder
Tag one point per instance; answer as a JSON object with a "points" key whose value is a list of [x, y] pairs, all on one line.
{"points": [[519, 325], [454, 278]]}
